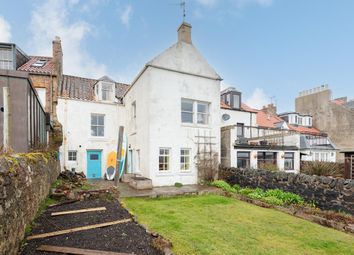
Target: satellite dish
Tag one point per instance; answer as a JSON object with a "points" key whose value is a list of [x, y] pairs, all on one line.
{"points": [[225, 117]]}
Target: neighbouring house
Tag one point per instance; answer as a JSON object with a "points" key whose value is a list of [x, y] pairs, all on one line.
{"points": [[253, 138], [23, 121], [43, 74], [170, 112], [90, 112], [334, 117]]}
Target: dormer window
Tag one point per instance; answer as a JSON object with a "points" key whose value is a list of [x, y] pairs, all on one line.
{"points": [[232, 98], [105, 91]]}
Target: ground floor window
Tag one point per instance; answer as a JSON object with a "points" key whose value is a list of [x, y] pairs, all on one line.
{"points": [[72, 155], [289, 161], [164, 159], [266, 158], [243, 159], [185, 159]]}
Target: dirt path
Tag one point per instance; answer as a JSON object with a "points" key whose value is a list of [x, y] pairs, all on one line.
{"points": [[128, 237]]}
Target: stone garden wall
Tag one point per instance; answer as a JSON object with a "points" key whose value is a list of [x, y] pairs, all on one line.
{"points": [[24, 183], [327, 193]]}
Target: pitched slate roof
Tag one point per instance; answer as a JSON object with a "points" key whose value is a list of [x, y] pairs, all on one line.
{"points": [[47, 68], [83, 88]]}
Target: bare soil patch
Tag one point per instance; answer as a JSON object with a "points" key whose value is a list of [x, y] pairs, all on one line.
{"points": [[127, 237]]}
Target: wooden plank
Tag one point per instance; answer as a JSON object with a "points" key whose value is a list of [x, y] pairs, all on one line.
{"points": [[67, 231], [77, 251], [79, 211]]}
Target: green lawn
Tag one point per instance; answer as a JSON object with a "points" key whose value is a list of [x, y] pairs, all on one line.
{"points": [[219, 225]]}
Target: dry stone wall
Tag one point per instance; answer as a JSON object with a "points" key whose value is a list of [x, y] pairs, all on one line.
{"points": [[327, 193], [24, 184]]}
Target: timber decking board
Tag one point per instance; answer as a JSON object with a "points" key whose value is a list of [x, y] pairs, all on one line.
{"points": [[67, 231], [79, 211], [77, 251]]}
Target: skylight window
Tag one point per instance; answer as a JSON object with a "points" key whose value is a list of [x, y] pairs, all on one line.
{"points": [[39, 63]]}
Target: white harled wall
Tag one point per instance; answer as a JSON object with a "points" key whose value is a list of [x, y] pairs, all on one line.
{"points": [[75, 116]]}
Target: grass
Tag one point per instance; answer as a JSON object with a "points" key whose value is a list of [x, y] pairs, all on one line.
{"points": [[220, 225]]}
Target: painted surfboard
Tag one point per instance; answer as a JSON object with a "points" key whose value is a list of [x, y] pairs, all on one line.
{"points": [[111, 165], [123, 155]]}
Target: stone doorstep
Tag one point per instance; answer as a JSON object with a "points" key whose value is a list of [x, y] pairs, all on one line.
{"points": [[141, 184], [126, 178]]}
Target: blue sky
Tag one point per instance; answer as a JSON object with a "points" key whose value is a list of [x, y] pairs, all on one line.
{"points": [[265, 48]]}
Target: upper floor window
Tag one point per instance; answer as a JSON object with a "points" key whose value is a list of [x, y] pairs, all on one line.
{"points": [[187, 111], [240, 129], [97, 125], [107, 91], [236, 101], [194, 112], [6, 59], [203, 113]]}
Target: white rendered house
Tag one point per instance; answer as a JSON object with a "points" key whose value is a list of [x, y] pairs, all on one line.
{"points": [[170, 112], [90, 112], [173, 106]]}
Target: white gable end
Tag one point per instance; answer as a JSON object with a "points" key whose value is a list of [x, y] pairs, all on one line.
{"points": [[184, 57]]}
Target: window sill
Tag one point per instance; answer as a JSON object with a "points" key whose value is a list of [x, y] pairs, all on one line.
{"points": [[164, 173], [98, 138], [192, 125]]}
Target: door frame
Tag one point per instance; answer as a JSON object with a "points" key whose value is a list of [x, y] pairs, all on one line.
{"points": [[87, 162]]}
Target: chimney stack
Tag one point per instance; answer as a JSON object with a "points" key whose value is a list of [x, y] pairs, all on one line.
{"points": [[185, 33], [270, 109]]}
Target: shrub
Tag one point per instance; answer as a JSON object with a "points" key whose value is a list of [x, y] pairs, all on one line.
{"points": [[322, 168], [286, 197], [237, 187], [272, 200], [268, 166], [224, 186], [178, 184], [246, 191]]}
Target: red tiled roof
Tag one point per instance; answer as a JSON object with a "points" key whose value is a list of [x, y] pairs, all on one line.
{"points": [[83, 88], [305, 130], [267, 120], [224, 106], [47, 68]]}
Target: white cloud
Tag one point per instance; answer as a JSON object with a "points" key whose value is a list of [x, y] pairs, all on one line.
{"points": [[126, 15], [52, 19], [5, 30], [258, 99]]}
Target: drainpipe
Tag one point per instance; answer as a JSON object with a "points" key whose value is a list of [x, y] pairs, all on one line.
{"points": [[6, 129]]}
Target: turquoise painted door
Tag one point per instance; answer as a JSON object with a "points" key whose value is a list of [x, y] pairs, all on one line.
{"points": [[93, 164]]}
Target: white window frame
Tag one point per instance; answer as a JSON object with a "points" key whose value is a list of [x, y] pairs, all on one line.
{"points": [[196, 113], [204, 114], [187, 112], [97, 125], [107, 90], [166, 162], [72, 155], [292, 159], [185, 166]]}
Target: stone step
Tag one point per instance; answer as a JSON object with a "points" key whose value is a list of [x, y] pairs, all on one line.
{"points": [[140, 183]]}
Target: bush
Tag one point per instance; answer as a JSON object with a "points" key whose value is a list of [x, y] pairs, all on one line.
{"points": [[268, 166], [272, 200], [178, 184], [322, 168], [224, 186], [286, 197]]}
